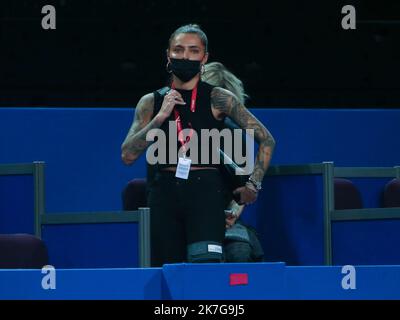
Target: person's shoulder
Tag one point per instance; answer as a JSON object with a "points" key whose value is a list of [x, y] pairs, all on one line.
{"points": [[147, 98], [146, 101], [219, 92]]}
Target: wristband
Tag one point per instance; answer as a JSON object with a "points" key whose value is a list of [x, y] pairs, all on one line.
{"points": [[256, 184]]}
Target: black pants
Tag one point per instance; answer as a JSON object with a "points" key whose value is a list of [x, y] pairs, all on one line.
{"points": [[185, 212]]}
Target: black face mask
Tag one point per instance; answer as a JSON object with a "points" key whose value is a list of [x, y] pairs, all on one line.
{"points": [[184, 69]]}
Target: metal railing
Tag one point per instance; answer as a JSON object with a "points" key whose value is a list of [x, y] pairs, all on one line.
{"points": [[141, 216], [329, 173]]}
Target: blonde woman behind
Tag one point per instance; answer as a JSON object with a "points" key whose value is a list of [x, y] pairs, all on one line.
{"points": [[218, 75]]}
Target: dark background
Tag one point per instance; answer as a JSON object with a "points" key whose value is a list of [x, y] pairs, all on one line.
{"points": [[288, 53]]}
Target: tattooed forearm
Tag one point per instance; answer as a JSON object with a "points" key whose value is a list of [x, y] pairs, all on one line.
{"points": [[135, 142], [263, 159], [227, 104]]}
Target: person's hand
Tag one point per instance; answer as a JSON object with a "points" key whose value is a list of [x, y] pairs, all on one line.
{"points": [[237, 210], [230, 220], [171, 99], [246, 195]]}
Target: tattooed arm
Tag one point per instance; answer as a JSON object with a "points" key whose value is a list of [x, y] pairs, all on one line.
{"points": [[135, 142], [224, 103]]}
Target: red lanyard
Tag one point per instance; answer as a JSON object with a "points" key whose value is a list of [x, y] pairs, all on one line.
{"points": [[178, 120]]}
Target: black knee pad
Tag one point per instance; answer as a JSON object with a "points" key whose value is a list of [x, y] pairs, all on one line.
{"points": [[204, 251], [237, 244], [237, 251]]}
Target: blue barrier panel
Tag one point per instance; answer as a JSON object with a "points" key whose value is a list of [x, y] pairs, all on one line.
{"points": [[81, 147], [255, 281], [106, 245], [340, 135], [82, 284], [277, 281], [289, 218], [317, 283], [366, 242], [16, 204]]}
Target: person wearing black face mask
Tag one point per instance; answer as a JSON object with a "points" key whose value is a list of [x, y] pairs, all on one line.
{"points": [[186, 199], [184, 70]]}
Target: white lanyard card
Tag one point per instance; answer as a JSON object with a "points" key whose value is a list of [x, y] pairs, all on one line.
{"points": [[183, 168]]}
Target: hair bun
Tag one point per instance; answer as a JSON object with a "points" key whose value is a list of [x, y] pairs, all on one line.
{"points": [[195, 25]]}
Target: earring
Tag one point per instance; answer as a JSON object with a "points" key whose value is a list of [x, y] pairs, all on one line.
{"points": [[203, 69], [167, 67]]}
